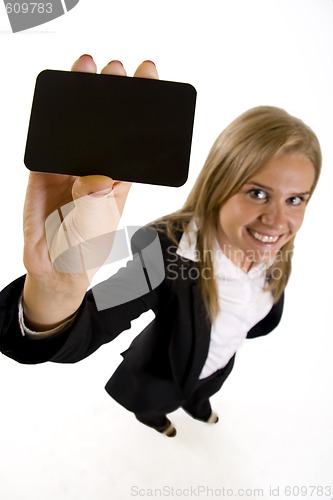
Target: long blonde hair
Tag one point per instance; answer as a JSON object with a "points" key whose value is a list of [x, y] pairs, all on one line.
{"points": [[240, 151]]}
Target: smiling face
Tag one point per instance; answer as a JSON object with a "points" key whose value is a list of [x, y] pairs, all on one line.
{"points": [[257, 221]]}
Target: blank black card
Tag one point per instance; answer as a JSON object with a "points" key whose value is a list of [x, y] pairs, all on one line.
{"points": [[131, 129]]}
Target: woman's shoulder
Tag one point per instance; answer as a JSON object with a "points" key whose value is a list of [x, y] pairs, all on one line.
{"points": [[168, 235]]}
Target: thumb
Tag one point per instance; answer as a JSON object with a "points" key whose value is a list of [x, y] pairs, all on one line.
{"points": [[96, 211], [90, 185], [82, 238]]}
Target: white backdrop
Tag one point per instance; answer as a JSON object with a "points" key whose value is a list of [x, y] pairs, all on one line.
{"points": [[61, 435]]}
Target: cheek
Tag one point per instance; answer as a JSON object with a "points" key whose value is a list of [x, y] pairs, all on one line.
{"points": [[297, 221], [234, 212], [233, 218], [228, 217]]}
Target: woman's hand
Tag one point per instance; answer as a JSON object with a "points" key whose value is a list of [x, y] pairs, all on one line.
{"points": [[56, 279]]}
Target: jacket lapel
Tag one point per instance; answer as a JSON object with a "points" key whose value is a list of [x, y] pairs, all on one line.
{"points": [[201, 338]]}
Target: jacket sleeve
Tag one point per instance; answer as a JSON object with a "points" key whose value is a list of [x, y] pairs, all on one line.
{"points": [[105, 312]]}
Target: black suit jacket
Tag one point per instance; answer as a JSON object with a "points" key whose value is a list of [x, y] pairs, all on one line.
{"points": [[164, 361]]}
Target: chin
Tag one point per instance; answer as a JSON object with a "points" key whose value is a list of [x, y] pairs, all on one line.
{"points": [[262, 257]]}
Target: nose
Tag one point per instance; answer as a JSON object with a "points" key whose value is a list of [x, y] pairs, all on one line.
{"points": [[274, 216]]}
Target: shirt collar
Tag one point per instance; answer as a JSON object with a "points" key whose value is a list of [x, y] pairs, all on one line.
{"points": [[187, 247]]}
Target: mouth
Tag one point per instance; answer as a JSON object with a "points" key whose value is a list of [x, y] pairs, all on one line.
{"points": [[263, 238]]}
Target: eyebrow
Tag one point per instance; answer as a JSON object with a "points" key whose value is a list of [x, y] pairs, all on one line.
{"points": [[267, 188]]}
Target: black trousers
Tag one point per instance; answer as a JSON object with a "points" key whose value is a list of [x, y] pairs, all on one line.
{"points": [[197, 404]]}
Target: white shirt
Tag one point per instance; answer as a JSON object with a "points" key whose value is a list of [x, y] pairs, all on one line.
{"points": [[32, 334], [243, 302]]}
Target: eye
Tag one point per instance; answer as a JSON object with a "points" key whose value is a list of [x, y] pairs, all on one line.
{"points": [[296, 200], [258, 194]]}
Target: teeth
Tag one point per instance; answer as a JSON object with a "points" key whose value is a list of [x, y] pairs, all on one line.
{"points": [[264, 237]]}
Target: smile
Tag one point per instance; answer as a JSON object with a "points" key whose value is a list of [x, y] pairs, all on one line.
{"points": [[265, 238]]}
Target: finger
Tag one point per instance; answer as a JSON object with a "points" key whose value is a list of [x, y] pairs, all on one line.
{"points": [[147, 69], [85, 64], [114, 68]]}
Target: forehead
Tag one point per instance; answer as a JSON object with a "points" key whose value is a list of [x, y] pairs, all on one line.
{"points": [[293, 171]]}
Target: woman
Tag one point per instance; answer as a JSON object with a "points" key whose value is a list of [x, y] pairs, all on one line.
{"points": [[226, 257]]}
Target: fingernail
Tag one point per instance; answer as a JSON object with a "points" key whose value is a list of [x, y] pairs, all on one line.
{"points": [[85, 55], [100, 194], [149, 61], [115, 61]]}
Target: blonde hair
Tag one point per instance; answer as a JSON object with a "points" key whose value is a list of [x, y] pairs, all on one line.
{"points": [[240, 151]]}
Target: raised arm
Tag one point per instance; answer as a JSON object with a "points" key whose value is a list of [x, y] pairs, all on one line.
{"points": [[55, 287]]}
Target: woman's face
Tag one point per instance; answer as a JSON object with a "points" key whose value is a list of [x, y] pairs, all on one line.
{"points": [[267, 211]]}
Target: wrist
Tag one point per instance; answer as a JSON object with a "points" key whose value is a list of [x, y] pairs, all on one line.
{"points": [[49, 302]]}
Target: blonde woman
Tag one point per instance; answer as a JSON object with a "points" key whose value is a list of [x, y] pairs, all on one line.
{"points": [[228, 255], [226, 258]]}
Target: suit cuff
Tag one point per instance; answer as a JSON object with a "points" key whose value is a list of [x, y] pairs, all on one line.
{"points": [[27, 332]]}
